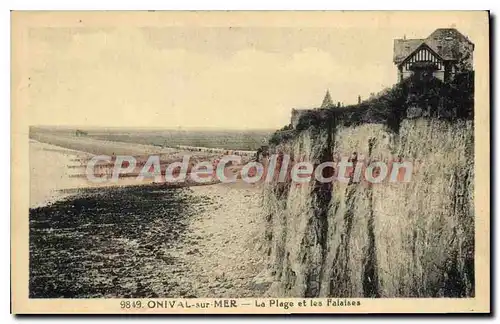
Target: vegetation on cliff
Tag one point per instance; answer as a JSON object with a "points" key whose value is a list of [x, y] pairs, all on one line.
{"points": [[412, 98]]}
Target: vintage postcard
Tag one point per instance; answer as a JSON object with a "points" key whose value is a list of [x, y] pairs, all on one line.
{"points": [[250, 162]]}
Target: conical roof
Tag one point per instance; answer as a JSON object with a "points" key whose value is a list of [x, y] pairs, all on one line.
{"points": [[327, 101]]}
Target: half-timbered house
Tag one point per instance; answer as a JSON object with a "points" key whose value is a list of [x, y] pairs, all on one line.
{"points": [[443, 54]]}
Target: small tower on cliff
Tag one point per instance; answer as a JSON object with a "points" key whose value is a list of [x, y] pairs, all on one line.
{"points": [[327, 101]]}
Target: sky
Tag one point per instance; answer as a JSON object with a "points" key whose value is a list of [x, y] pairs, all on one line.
{"points": [[210, 75]]}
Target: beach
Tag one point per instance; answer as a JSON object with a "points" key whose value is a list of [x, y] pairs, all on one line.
{"points": [[145, 240], [228, 255]]}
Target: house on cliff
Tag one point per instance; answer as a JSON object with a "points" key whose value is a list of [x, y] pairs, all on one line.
{"points": [[297, 113], [443, 54]]}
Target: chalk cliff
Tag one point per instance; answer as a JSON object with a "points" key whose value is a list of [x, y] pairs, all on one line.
{"points": [[402, 239]]}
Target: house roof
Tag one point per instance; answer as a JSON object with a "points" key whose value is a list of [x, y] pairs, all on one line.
{"points": [[404, 47], [444, 41]]}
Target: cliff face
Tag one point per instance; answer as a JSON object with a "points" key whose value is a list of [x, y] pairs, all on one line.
{"points": [[402, 239]]}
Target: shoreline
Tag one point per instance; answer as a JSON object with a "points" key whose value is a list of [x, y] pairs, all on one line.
{"points": [[142, 240], [149, 242], [54, 172], [50, 169]]}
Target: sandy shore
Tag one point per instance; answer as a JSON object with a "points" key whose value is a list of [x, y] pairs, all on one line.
{"points": [[216, 252], [227, 256]]}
